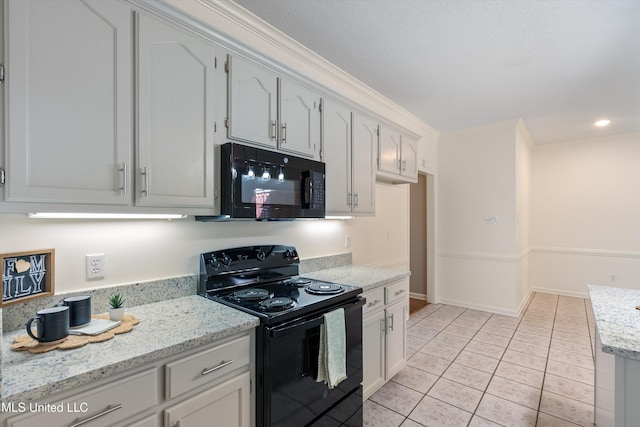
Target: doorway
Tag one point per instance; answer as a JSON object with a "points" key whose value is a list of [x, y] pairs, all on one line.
{"points": [[418, 238]]}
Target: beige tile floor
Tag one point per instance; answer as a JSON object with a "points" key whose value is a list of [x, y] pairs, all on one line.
{"points": [[473, 368]]}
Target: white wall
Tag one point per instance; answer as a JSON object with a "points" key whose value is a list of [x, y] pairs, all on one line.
{"points": [[478, 262], [585, 214], [141, 250], [383, 240], [524, 146]]}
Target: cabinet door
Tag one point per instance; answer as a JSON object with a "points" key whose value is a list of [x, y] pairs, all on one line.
{"points": [[253, 101], [364, 148], [68, 100], [224, 405], [396, 337], [299, 116], [337, 154], [409, 163], [389, 150], [175, 116], [373, 359]]}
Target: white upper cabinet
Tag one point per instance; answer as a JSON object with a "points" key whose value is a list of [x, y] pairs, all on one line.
{"points": [[271, 111], [397, 156], [364, 149], [68, 97], [175, 116], [350, 141], [389, 151], [253, 102], [299, 115], [336, 136], [409, 157]]}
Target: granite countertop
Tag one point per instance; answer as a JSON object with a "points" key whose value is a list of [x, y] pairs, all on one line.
{"points": [[166, 328], [368, 278], [617, 319]]}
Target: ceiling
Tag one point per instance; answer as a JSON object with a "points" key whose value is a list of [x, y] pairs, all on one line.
{"points": [[560, 65]]}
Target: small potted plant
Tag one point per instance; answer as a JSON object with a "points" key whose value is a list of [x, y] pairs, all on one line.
{"points": [[116, 311]]}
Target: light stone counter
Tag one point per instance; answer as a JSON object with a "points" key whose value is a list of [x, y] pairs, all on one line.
{"points": [[367, 278], [166, 328], [617, 320]]}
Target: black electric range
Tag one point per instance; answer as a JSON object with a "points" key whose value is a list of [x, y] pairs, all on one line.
{"points": [[264, 281]]}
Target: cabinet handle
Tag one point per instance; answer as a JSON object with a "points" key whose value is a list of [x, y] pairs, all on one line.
{"points": [[284, 132], [348, 199], [274, 128], [145, 189], [355, 197], [372, 303], [109, 409], [222, 364], [401, 291], [391, 323], [404, 165], [123, 169]]}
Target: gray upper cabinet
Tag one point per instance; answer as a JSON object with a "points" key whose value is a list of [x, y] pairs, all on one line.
{"points": [[175, 116], [68, 97], [350, 144], [363, 159], [299, 117], [272, 111], [397, 156], [252, 102]]}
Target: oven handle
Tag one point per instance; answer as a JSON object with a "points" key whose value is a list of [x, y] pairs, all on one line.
{"points": [[303, 324]]}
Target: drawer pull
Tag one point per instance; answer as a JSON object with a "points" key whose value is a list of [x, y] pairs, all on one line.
{"points": [[109, 409], [222, 364], [401, 291], [372, 303]]}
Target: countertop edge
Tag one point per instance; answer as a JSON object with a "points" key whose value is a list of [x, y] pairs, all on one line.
{"points": [[612, 337]]}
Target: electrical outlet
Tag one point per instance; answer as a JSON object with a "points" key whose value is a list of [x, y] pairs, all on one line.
{"points": [[95, 266], [347, 241]]}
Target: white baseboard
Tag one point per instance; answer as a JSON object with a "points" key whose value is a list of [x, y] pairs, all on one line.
{"points": [[416, 295], [482, 307]]}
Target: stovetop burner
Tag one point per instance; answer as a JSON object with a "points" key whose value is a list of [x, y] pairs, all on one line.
{"points": [[264, 281], [251, 294], [298, 283], [277, 304], [324, 289]]}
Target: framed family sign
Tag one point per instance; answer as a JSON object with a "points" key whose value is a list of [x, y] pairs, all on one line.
{"points": [[27, 275]]}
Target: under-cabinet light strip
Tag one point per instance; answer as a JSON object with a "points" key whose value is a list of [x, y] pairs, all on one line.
{"points": [[74, 215]]}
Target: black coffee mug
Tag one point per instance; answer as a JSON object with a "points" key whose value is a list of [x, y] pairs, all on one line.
{"points": [[52, 324], [79, 310]]}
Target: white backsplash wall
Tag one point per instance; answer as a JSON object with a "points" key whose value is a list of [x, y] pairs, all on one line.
{"points": [[143, 250]]}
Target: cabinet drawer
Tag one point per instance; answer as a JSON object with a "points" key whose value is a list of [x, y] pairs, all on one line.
{"points": [[397, 291], [105, 406], [206, 366], [375, 300]]}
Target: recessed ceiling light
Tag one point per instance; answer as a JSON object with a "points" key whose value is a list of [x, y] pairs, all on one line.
{"points": [[602, 123]]}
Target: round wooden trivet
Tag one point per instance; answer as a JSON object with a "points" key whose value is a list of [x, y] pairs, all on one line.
{"points": [[26, 343]]}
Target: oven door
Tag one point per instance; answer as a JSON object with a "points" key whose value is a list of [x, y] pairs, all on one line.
{"points": [[288, 393]]}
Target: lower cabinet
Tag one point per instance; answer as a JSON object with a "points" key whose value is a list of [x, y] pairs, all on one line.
{"points": [[206, 386], [227, 404], [384, 334]]}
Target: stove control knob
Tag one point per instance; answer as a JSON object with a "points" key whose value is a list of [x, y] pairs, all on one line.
{"points": [[214, 262], [226, 260], [261, 255], [287, 254]]}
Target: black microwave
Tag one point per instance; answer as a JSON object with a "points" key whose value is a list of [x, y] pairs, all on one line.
{"points": [[268, 185]]}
